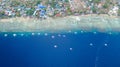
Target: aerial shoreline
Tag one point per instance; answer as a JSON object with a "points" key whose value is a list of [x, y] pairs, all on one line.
{"points": [[92, 22]]}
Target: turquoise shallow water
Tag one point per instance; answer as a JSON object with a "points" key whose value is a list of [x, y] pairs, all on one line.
{"points": [[86, 23], [73, 49]]}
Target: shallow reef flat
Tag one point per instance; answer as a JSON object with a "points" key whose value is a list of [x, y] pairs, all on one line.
{"points": [[87, 23]]}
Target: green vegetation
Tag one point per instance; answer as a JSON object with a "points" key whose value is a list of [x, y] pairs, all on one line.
{"points": [[96, 1], [66, 0], [2, 13], [18, 14], [119, 12], [69, 11], [106, 5], [53, 3], [28, 7], [38, 2], [15, 3], [30, 12]]}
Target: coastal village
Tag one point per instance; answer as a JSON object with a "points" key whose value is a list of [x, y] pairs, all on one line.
{"points": [[57, 8], [59, 15]]}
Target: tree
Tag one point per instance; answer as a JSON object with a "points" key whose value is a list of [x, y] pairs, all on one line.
{"points": [[66, 1], [15, 3], [38, 2], [96, 1], [105, 5], [30, 12], [119, 12]]}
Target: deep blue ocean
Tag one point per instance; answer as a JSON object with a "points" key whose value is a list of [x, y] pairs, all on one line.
{"points": [[75, 49]]}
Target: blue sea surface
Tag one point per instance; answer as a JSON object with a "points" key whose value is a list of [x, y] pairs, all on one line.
{"points": [[73, 49]]}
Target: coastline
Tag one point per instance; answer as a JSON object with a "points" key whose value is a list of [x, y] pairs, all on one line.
{"points": [[93, 22]]}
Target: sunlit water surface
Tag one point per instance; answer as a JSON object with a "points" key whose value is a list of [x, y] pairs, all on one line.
{"points": [[72, 49]]}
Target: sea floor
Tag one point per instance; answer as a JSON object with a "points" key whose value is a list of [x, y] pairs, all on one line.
{"points": [[87, 23]]}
